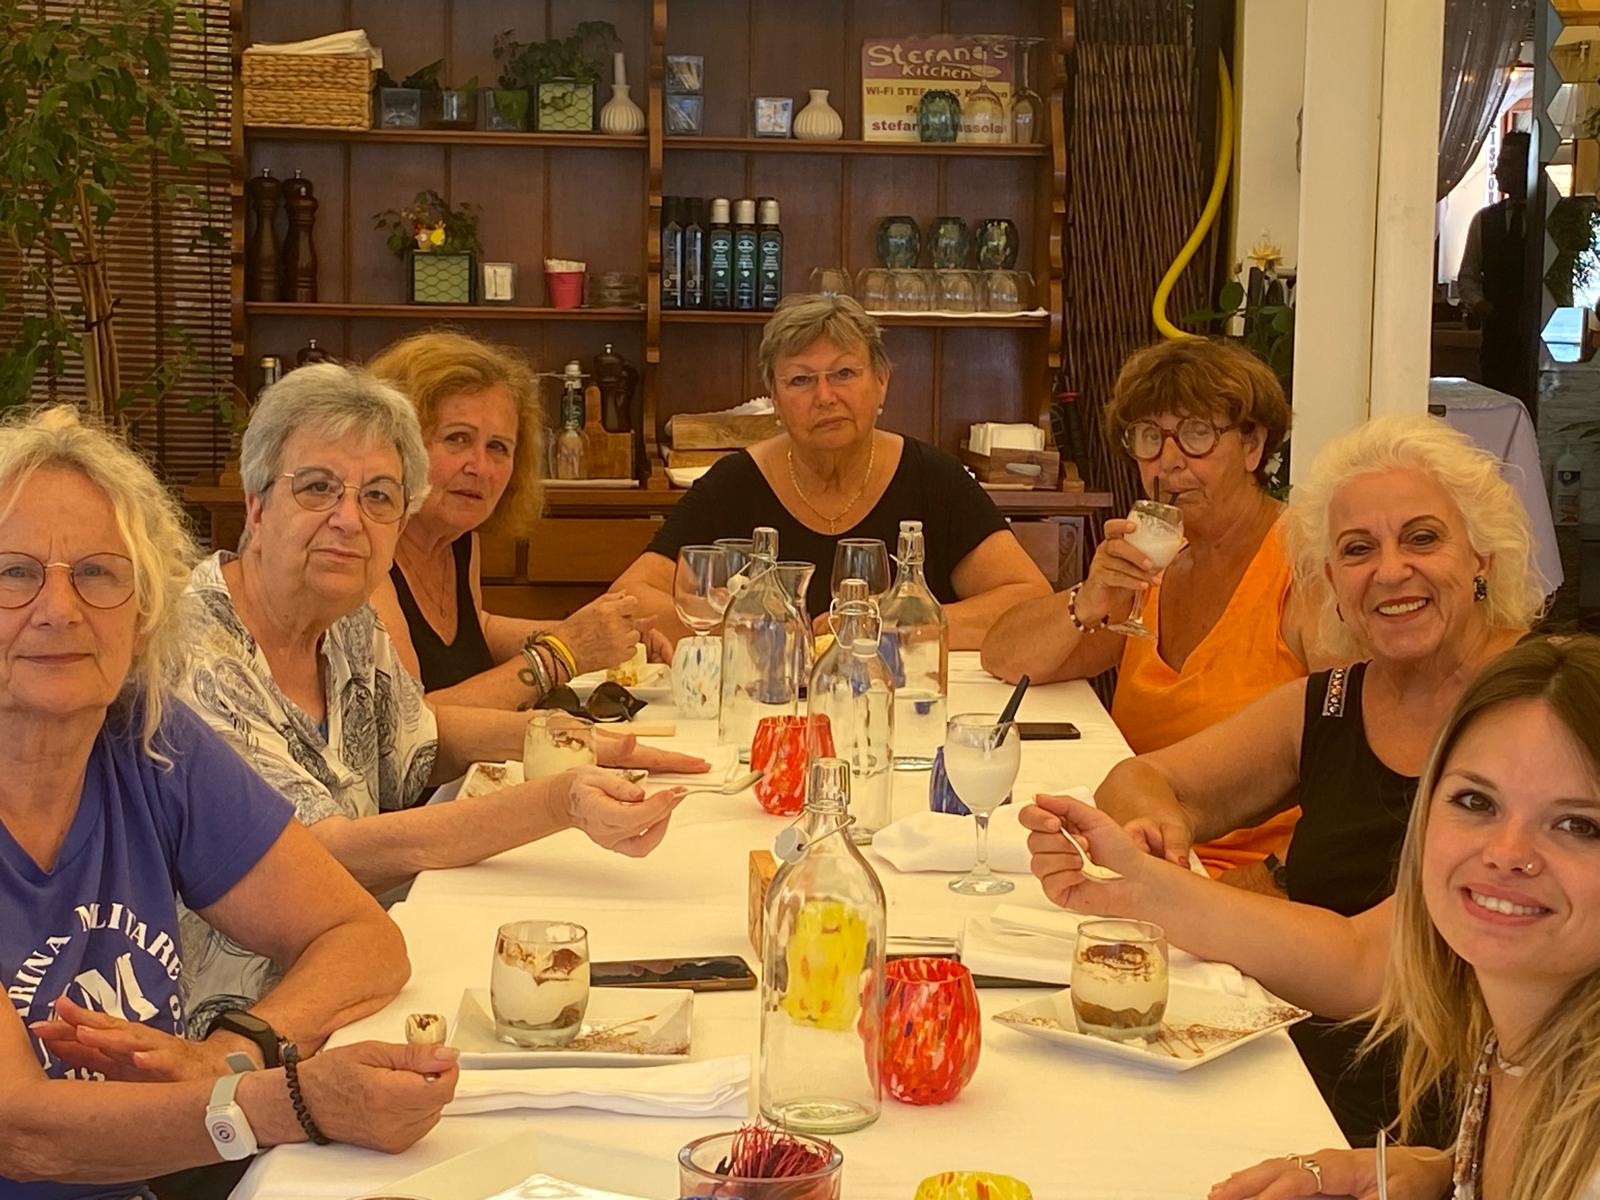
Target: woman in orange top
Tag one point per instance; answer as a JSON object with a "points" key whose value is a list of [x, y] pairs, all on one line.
{"points": [[1202, 420]]}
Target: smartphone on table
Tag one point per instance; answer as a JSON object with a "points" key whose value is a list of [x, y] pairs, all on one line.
{"points": [[1047, 731], [720, 973]]}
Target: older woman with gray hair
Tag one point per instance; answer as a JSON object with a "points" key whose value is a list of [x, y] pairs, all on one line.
{"points": [[296, 671], [832, 474], [115, 802]]}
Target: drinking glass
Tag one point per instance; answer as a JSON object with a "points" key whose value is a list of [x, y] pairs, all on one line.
{"points": [[738, 551], [556, 741], [1007, 291], [539, 982], [1027, 116], [1158, 535], [981, 758], [955, 291], [875, 288], [983, 113], [703, 1171], [830, 281], [911, 292], [1119, 979], [866, 559], [700, 587], [781, 751], [931, 1034]]}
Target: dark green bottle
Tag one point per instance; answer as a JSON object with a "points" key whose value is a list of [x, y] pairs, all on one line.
{"points": [[744, 255], [769, 257], [719, 257]]}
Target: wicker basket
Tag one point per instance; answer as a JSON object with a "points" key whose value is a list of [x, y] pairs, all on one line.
{"points": [[328, 91]]}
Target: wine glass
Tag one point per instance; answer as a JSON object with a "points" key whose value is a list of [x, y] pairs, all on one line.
{"points": [[700, 587], [983, 113], [981, 760], [1158, 535], [1027, 116], [738, 551], [861, 558]]}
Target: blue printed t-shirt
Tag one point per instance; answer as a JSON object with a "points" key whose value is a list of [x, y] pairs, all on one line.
{"points": [[101, 926]]}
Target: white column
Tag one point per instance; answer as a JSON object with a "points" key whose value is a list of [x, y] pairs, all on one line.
{"points": [[1269, 79]]}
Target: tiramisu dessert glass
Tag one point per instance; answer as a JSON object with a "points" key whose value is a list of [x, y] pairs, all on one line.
{"points": [[554, 742], [539, 982], [1119, 979]]}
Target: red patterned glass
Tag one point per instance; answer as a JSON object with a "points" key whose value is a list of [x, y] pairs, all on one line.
{"points": [[780, 751], [931, 1030]]}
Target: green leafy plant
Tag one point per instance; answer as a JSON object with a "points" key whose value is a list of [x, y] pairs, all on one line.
{"points": [[88, 102], [423, 79], [581, 55], [1573, 227], [428, 225]]}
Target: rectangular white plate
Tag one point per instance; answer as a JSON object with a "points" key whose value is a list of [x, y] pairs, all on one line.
{"points": [[1200, 1025], [623, 1027], [658, 689], [503, 1168], [483, 778]]}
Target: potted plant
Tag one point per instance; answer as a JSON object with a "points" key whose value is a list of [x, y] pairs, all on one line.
{"points": [[439, 245], [399, 105], [505, 106], [1572, 227], [446, 107], [564, 72]]}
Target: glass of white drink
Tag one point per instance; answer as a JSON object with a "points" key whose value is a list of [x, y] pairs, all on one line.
{"points": [[981, 759], [1158, 535]]}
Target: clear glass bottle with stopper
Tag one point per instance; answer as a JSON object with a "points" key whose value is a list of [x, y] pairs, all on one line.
{"points": [[572, 449], [822, 965], [916, 646], [851, 686], [764, 646]]}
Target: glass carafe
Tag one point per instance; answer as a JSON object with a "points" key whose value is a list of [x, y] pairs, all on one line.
{"points": [[851, 686], [764, 641], [795, 575], [916, 647], [822, 957]]}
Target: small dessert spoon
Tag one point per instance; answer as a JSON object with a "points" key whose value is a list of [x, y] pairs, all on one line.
{"points": [[732, 787], [1091, 870]]}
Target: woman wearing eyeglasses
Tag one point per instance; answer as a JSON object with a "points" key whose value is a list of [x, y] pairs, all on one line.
{"points": [[295, 669], [832, 474], [1202, 420]]}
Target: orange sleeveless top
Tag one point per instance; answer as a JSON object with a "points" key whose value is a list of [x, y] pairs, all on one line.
{"points": [[1242, 657]]}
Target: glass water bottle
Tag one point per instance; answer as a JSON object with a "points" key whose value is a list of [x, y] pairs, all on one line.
{"points": [[764, 642], [822, 948], [916, 646], [851, 686]]}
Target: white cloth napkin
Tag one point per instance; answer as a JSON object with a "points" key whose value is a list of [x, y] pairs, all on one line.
{"points": [[1018, 942], [718, 1087], [351, 41]]}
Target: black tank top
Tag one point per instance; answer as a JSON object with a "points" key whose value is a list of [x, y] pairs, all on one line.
{"points": [[445, 666], [1353, 814]]}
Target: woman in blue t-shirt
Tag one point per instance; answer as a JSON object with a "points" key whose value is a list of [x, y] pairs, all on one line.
{"points": [[115, 801]]}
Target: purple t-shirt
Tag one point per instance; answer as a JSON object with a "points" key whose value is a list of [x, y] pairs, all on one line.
{"points": [[102, 925]]}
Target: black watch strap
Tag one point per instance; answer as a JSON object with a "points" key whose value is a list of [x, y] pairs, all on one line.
{"points": [[253, 1029], [1279, 870]]}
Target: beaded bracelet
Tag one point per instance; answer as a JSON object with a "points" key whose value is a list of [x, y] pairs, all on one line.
{"points": [[291, 1072], [1072, 613]]}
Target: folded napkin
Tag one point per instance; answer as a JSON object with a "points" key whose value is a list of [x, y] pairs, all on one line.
{"points": [[717, 1087], [1019, 942], [351, 41], [931, 841]]}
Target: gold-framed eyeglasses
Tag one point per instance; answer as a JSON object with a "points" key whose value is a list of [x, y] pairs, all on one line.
{"points": [[839, 377], [317, 489], [1195, 436], [101, 580]]}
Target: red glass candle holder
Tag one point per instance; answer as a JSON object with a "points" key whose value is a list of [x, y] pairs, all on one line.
{"points": [[780, 749], [931, 1030]]}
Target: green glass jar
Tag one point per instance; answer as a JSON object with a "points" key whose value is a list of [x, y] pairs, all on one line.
{"points": [[899, 242], [938, 116]]}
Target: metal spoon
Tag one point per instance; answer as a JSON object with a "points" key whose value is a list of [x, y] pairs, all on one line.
{"points": [[1090, 870], [732, 787]]}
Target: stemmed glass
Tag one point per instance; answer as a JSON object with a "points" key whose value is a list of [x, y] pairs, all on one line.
{"points": [[700, 587], [738, 551], [981, 760], [1027, 119], [861, 558], [983, 112], [1158, 535]]}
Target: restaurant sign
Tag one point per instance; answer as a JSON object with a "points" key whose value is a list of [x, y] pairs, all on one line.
{"points": [[895, 72]]}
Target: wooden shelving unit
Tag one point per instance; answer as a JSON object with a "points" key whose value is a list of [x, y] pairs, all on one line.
{"points": [[441, 312], [747, 145], [446, 137], [690, 316]]}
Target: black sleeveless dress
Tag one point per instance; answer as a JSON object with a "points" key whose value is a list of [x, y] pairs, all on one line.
{"points": [[447, 665]]}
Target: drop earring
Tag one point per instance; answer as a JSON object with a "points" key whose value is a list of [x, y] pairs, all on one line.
{"points": [[1480, 589]]}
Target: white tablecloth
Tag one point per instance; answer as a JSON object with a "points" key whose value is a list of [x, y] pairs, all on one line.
{"points": [[1069, 1125]]}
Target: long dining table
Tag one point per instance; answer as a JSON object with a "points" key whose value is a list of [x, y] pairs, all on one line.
{"points": [[1072, 1126]]}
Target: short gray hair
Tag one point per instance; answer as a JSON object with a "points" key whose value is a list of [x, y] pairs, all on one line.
{"points": [[151, 524], [338, 402], [802, 319], [1497, 523]]}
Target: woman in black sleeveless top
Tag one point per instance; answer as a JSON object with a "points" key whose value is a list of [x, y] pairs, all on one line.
{"points": [[477, 406], [1417, 555]]}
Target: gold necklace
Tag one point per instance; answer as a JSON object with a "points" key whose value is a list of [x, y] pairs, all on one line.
{"points": [[833, 521], [435, 599]]}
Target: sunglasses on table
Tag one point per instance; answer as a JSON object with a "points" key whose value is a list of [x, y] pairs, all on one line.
{"points": [[1195, 436], [609, 701]]}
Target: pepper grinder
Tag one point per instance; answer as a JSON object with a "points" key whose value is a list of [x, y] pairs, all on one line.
{"points": [[608, 377], [297, 280], [263, 195]]}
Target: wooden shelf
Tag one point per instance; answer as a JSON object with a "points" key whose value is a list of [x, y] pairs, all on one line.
{"points": [[479, 137], [755, 145], [464, 312], [679, 316]]}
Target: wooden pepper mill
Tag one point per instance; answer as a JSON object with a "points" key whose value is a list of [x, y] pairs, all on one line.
{"points": [[297, 279], [262, 248]]}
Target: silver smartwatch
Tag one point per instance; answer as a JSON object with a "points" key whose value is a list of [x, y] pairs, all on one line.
{"points": [[226, 1123]]}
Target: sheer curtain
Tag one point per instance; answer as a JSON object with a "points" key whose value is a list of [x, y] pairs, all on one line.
{"points": [[1481, 40]]}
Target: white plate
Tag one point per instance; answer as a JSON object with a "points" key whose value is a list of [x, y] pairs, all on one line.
{"points": [[483, 778], [542, 1160], [608, 484], [1200, 1025], [623, 1027], [658, 690]]}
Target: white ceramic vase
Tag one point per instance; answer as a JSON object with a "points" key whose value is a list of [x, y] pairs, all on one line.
{"points": [[621, 116], [697, 678], [817, 121]]}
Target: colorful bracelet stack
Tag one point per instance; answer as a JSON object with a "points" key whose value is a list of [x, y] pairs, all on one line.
{"points": [[548, 659]]}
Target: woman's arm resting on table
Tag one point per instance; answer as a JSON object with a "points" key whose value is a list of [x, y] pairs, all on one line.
{"points": [[995, 576], [1232, 775], [1324, 962], [1036, 639]]}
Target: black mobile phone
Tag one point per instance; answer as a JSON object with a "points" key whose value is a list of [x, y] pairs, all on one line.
{"points": [[1047, 731], [724, 973]]}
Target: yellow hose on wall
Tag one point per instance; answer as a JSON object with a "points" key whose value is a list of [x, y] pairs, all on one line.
{"points": [[1219, 184]]}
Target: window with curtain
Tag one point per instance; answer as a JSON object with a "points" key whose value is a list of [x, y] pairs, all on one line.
{"points": [[172, 289]]}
